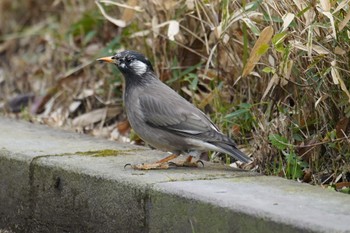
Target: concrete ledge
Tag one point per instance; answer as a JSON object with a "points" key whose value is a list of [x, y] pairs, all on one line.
{"points": [[56, 181]]}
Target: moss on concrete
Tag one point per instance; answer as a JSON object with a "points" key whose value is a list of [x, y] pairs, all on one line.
{"points": [[105, 153]]}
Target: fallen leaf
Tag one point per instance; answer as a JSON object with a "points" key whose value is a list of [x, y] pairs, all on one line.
{"points": [[258, 50], [339, 51], [96, 116], [287, 19]]}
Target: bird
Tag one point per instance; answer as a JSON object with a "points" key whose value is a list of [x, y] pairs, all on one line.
{"points": [[164, 119]]}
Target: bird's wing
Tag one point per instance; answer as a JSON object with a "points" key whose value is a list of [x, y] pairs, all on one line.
{"points": [[179, 117], [182, 118]]}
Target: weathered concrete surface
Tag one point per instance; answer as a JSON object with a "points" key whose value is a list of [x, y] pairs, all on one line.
{"points": [[47, 184]]}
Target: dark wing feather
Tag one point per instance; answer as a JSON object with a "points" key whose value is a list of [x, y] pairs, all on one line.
{"points": [[181, 118]]}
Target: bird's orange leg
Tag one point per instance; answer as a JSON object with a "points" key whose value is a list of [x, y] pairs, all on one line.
{"points": [[188, 162], [167, 159], [165, 164], [160, 164]]}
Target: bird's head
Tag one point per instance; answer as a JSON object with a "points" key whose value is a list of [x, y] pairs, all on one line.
{"points": [[130, 63]]}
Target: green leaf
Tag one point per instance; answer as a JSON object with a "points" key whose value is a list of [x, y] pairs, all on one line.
{"points": [[194, 82], [294, 167], [89, 36], [236, 113], [278, 141], [263, 49], [245, 105], [252, 6], [251, 25], [268, 69], [279, 38]]}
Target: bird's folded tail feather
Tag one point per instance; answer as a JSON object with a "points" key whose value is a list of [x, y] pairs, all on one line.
{"points": [[233, 151]]}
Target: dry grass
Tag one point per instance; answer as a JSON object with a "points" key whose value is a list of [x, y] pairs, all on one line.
{"points": [[272, 74]]}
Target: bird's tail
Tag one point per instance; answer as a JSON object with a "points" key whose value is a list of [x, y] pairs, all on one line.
{"points": [[233, 151]]}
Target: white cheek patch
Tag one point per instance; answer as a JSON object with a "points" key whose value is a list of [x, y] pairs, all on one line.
{"points": [[139, 67]]}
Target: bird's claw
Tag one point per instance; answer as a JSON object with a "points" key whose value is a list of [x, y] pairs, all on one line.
{"points": [[200, 161], [126, 165]]}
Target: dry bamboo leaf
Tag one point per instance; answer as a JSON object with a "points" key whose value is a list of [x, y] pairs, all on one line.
{"points": [[252, 26], [325, 5], [339, 51], [272, 83], [323, 97], [320, 50], [344, 88], [140, 34], [338, 80], [287, 70], [341, 5], [343, 23], [287, 19], [118, 22], [315, 48], [331, 19], [258, 50], [335, 73]]}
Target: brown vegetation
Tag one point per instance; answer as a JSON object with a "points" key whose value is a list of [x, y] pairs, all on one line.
{"points": [[272, 74]]}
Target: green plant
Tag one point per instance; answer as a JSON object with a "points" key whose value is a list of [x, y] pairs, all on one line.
{"points": [[290, 164]]}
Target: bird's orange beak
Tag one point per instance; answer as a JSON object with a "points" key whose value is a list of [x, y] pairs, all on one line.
{"points": [[106, 59]]}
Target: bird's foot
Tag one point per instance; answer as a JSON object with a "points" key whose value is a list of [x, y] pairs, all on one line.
{"points": [[161, 164], [187, 163], [148, 166]]}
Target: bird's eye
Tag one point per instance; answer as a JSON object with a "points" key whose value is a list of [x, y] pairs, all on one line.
{"points": [[129, 59]]}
